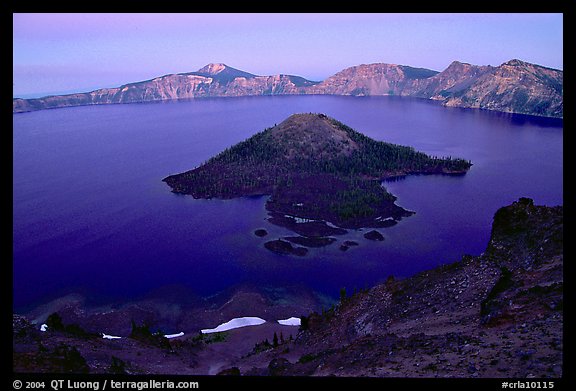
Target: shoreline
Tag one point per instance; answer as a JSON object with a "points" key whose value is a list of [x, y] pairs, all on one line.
{"points": [[167, 309]]}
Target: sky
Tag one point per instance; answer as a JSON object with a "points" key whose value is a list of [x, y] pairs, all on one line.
{"points": [[64, 53]]}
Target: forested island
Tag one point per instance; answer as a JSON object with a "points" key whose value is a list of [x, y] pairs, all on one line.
{"points": [[323, 176]]}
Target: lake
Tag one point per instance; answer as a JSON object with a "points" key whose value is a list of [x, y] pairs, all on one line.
{"points": [[91, 214]]}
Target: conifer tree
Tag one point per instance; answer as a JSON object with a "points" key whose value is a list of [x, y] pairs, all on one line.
{"points": [[275, 340]]}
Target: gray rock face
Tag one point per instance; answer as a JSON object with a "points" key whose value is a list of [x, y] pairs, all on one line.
{"points": [[373, 79], [457, 77], [515, 86]]}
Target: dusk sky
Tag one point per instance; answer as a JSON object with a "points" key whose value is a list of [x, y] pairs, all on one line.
{"points": [[63, 53]]}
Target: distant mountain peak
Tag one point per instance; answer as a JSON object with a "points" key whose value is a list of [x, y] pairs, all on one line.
{"points": [[516, 62], [222, 72], [213, 68], [458, 64]]}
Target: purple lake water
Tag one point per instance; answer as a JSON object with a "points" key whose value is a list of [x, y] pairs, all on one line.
{"points": [[91, 214]]}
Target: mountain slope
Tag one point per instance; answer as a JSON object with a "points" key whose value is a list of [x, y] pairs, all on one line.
{"points": [[457, 77], [372, 79], [515, 86], [222, 73]]}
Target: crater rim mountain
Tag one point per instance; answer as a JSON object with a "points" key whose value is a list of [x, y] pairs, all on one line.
{"points": [[515, 86]]}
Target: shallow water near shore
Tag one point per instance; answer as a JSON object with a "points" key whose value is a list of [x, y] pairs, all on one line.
{"points": [[92, 215]]}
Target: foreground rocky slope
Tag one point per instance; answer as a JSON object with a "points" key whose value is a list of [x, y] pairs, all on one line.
{"points": [[499, 314], [495, 315], [515, 86]]}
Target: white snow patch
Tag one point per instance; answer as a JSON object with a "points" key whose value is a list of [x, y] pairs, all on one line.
{"points": [[235, 323], [44, 327], [293, 321], [106, 336], [331, 224], [300, 220], [216, 68], [199, 79], [169, 336]]}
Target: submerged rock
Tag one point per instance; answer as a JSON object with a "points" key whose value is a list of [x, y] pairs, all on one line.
{"points": [[261, 232], [282, 247], [347, 244], [374, 235]]}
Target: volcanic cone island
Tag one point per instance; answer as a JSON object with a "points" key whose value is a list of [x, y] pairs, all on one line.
{"points": [[323, 177]]}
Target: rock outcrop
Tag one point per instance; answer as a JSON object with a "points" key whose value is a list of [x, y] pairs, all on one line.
{"points": [[515, 86]]}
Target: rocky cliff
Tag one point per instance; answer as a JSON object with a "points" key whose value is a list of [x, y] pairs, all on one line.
{"points": [[499, 314], [515, 86], [373, 79], [457, 77]]}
